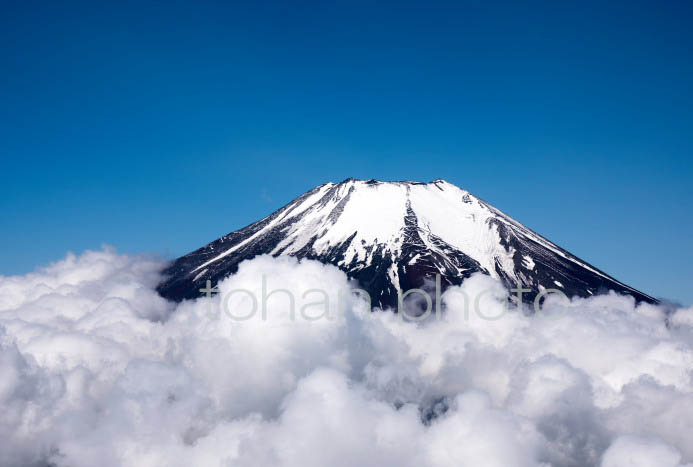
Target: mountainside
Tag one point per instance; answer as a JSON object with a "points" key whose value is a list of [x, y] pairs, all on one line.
{"points": [[396, 235]]}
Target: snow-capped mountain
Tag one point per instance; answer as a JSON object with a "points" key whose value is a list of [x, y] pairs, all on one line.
{"points": [[392, 236]]}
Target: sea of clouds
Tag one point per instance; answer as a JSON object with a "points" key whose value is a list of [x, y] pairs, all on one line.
{"points": [[97, 369]]}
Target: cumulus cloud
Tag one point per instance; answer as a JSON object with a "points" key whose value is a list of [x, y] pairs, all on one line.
{"points": [[97, 369]]}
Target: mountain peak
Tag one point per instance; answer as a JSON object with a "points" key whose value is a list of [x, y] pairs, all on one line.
{"points": [[394, 236], [374, 181]]}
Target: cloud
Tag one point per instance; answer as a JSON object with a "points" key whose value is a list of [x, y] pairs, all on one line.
{"points": [[97, 369], [632, 451]]}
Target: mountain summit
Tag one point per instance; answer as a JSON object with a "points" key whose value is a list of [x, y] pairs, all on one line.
{"points": [[392, 236]]}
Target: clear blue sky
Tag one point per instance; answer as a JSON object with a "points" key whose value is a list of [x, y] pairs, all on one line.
{"points": [[157, 127]]}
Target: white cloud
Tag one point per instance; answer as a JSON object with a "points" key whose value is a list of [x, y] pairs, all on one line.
{"points": [[96, 369], [632, 451]]}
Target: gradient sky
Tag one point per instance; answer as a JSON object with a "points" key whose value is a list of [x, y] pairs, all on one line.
{"points": [[158, 127]]}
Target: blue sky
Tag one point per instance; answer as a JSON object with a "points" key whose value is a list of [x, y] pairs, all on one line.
{"points": [[157, 127]]}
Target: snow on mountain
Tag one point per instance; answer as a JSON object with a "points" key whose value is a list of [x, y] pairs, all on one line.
{"points": [[394, 236]]}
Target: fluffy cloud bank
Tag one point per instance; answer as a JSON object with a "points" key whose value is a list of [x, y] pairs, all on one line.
{"points": [[97, 369]]}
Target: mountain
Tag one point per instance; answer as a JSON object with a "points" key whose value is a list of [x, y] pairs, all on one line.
{"points": [[392, 236]]}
